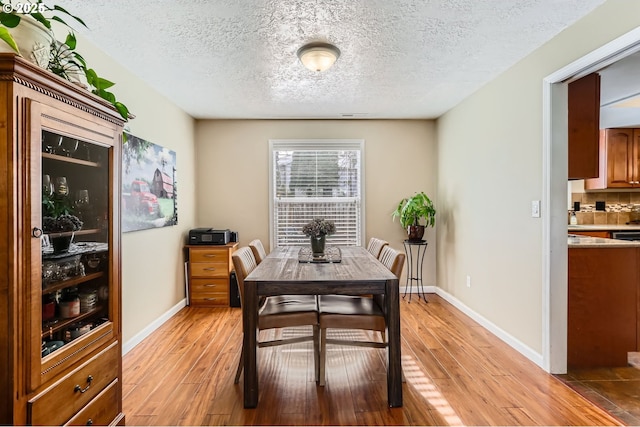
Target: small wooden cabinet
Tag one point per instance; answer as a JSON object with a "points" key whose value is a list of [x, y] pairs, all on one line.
{"points": [[60, 304], [619, 160], [209, 268], [583, 126]]}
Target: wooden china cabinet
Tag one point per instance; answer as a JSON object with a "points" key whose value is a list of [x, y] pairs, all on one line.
{"points": [[60, 309]]}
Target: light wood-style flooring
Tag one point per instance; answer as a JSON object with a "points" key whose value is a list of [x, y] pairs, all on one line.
{"points": [[457, 373]]}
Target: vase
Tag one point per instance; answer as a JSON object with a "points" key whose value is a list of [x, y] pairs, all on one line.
{"points": [[317, 245], [415, 233], [61, 243]]}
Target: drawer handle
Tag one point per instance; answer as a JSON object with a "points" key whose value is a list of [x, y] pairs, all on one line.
{"points": [[210, 299], [210, 255], [89, 422], [82, 390], [210, 269], [209, 285]]}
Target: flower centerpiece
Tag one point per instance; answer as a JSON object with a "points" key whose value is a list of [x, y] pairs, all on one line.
{"points": [[317, 230]]}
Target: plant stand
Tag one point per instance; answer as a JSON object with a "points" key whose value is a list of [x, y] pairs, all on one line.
{"points": [[415, 251]]}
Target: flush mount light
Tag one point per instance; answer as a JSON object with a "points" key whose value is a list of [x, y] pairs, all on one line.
{"points": [[318, 56]]}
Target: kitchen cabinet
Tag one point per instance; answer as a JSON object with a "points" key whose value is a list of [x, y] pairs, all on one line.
{"points": [[60, 315], [209, 269], [619, 160], [583, 126], [593, 233], [602, 306]]}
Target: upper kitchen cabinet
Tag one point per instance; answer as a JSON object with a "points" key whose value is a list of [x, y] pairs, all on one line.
{"points": [[584, 126], [619, 160]]}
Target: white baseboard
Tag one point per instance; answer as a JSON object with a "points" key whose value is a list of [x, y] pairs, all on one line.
{"points": [[513, 342], [137, 339]]}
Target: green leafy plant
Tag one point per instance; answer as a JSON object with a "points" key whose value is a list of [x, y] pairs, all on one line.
{"points": [[412, 210], [67, 63], [11, 16], [64, 60]]}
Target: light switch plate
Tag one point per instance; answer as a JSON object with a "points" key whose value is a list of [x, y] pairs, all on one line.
{"points": [[535, 208]]}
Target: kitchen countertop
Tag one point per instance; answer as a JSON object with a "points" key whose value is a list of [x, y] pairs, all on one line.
{"points": [[603, 227], [576, 241]]}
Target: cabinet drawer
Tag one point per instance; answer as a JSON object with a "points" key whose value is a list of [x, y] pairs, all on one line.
{"points": [[101, 411], [209, 300], [220, 255], [209, 269], [60, 401], [208, 286]]}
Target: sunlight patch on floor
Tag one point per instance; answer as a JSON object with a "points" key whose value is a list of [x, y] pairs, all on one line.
{"points": [[416, 378]]}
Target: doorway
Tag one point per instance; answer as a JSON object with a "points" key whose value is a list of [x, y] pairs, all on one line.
{"points": [[555, 173]]}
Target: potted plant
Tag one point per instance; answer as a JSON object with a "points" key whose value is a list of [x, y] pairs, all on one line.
{"points": [[58, 220], [58, 57], [317, 230], [411, 211], [18, 20]]}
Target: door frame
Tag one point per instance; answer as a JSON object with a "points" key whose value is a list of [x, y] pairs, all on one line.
{"points": [[554, 193]]}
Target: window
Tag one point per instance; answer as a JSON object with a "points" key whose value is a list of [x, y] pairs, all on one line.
{"points": [[316, 179]]}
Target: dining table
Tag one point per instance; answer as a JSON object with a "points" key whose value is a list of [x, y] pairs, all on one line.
{"points": [[353, 272]]}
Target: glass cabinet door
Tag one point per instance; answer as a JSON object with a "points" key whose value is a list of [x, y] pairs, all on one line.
{"points": [[75, 189], [74, 234]]}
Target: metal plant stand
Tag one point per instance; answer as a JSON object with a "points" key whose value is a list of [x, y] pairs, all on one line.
{"points": [[415, 251]]}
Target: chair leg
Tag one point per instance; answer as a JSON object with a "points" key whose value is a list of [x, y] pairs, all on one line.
{"points": [[316, 351], [240, 366], [323, 355]]}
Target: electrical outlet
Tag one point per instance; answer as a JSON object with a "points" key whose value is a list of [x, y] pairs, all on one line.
{"points": [[535, 208], [468, 281]]}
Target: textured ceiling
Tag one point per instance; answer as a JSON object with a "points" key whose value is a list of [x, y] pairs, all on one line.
{"points": [[400, 58]]}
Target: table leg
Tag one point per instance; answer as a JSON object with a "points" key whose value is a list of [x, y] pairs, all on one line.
{"points": [[394, 359], [250, 327]]}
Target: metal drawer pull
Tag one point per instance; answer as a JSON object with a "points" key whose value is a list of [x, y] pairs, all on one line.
{"points": [[36, 232], [82, 390], [89, 422], [210, 255], [210, 269], [210, 299], [209, 285]]}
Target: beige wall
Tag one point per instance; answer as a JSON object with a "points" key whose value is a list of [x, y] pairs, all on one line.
{"points": [[490, 169], [152, 260], [232, 161]]}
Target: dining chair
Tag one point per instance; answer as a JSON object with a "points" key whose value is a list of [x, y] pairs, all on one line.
{"points": [[258, 250], [280, 311], [375, 246], [356, 312]]}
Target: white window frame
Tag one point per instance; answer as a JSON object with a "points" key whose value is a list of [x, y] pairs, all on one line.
{"points": [[311, 144]]}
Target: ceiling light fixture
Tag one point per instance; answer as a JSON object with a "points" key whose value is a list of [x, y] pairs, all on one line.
{"points": [[318, 56]]}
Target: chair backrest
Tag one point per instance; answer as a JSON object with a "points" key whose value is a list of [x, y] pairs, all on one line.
{"points": [[244, 263], [393, 260], [258, 250], [375, 246]]}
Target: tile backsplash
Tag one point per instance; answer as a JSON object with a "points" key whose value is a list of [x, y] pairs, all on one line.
{"points": [[618, 207]]}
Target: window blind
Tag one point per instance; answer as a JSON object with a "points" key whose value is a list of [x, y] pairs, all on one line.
{"points": [[316, 179]]}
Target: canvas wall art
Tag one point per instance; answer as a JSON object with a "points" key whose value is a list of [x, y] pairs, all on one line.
{"points": [[149, 191]]}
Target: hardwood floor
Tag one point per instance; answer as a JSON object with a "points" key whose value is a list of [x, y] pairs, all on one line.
{"points": [[457, 373], [617, 390]]}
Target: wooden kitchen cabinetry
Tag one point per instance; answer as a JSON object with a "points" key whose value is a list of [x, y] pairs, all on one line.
{"points": [[60, 315], [209, 269], [603, 306], [583, 126], [619, 160]]}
